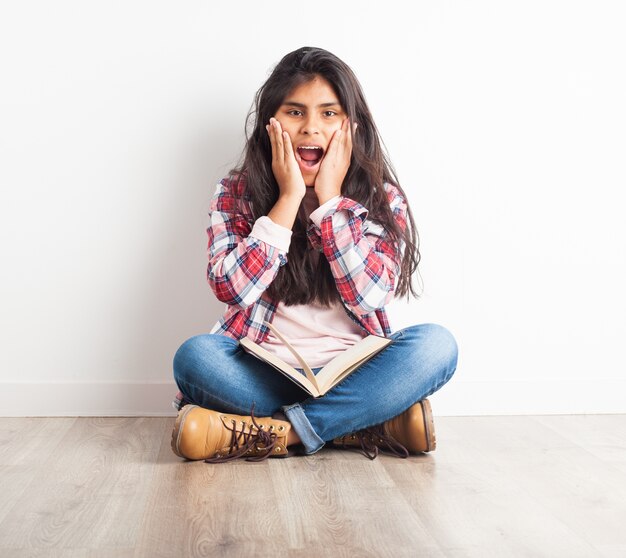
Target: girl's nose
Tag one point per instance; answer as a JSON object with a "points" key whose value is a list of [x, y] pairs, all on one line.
{"points": [[310, 126]]}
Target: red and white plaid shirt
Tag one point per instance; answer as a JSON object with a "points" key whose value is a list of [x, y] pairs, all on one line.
{"points": [[361, 257]]}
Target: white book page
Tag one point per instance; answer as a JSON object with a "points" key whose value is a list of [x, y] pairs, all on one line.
{"points": [[346, 360], [307, 369], [279, 364]]}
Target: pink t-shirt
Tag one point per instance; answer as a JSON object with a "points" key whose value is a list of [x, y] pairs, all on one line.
{"points": [[317, 332]]}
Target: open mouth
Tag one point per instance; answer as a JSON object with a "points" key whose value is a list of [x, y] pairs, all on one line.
{"points": [[310, 155]]}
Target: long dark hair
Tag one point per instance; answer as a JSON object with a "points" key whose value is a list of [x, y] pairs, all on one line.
{"points": [[307, 277]]}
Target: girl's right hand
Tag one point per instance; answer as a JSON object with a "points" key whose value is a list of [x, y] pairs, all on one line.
{"points": [[284, 165]]}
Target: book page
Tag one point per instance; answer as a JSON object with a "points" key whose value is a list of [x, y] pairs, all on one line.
{"points": [[280, 365], [348, 360], [307, 369]]}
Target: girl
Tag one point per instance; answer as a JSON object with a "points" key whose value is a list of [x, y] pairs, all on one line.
{"points": [[313, 234]]}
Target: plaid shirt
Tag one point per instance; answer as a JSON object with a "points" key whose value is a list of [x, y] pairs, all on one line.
{"points": [[241, 267]]}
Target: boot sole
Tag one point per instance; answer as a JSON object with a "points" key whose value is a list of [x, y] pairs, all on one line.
{"points": [[178, 428], [429, 425]]}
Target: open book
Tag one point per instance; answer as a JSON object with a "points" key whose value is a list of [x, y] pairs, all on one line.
{"points": [[331, 374]]}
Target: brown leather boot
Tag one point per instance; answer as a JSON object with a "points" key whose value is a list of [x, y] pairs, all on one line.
{"points": [[412, 431], [205, 434]]}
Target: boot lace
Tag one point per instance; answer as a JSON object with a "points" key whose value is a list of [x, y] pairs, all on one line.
{"points": [[250, 438], [375, 440]]}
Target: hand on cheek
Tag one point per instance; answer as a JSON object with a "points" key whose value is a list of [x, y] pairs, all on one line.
{"points": [[284, 164], [335, 165]]}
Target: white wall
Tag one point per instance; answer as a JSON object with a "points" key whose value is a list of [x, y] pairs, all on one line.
{"points": [[505, 122]]}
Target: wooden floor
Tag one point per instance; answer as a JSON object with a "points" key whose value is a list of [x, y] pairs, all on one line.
{"points": [[495, 487]]}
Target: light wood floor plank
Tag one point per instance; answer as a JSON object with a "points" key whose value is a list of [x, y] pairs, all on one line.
{"points": [[582, 494], [472, 498], [195, 509], [508, 486], [343, 500], [315, 504], [25, 446], [70, 553], [91, 492], [602, 435]]}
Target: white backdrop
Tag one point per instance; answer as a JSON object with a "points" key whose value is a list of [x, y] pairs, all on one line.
{"points": [[505, 122]]}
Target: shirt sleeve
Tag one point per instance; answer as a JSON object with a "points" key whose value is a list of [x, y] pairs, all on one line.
{"points": [[241, 266], [363, 259], [317, 215], [271, 233]]}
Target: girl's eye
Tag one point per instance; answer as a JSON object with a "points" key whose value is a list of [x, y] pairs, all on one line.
{"points": [[330, 113], [293, 112]]}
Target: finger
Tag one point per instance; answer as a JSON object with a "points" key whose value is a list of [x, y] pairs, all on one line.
{"points": [[341, 143], [348, 134], [289, 154], [345, 133], [341, 137], [278, 136], [333, 145], [270, 132], [352, 134]]}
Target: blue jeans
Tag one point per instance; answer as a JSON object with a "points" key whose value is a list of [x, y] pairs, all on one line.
{"points": [[214, 372]]}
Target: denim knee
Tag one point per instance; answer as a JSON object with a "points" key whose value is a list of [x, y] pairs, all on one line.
{"points": [[191, 357], [443, 348], [443, 344], [437, 343], [183, 359]]}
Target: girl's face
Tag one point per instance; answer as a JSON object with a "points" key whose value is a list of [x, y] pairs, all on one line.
{"points": [[311, 114]]}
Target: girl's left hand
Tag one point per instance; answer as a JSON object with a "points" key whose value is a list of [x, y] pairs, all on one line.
{"points": [[335, 165]]}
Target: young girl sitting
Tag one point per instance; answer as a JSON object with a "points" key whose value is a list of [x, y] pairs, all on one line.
{"points": [[313, 234]]}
